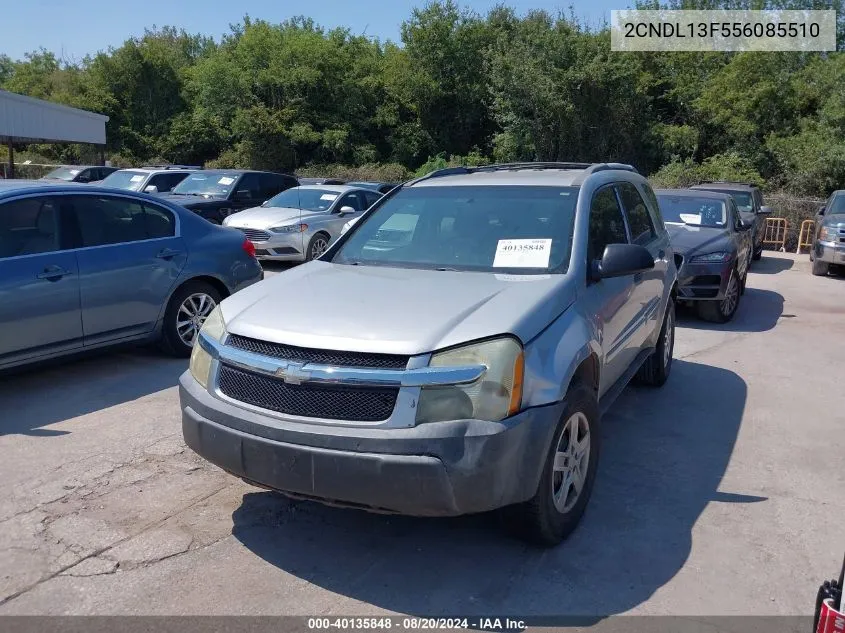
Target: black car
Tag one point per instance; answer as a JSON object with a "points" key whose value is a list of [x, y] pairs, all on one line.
{"points": [[381, 187], [79, 173], [707, 231], [749, 201], [216, 193]]}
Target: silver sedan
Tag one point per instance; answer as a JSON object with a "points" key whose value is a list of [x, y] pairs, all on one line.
{"points": [[300, 223]]}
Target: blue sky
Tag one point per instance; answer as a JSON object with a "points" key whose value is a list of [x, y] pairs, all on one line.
{"points": [[74, 29]]}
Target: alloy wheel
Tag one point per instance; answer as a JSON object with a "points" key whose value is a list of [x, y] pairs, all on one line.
{"points": [[191, 315], [728, 304], [318, 246], [667, 338], [571, 462]]}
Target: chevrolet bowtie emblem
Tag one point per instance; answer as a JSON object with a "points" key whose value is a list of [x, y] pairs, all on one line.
{"points": [[293, 373]]}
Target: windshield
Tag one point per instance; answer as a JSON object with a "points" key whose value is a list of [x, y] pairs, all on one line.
{"points": [[64, 173], [307, 199], [743, 199], [206, 184], [125, 179], [516, 229], [693, 211], [837, 206]]}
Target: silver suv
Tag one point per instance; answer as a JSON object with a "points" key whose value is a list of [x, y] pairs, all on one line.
{"points": [[451, 353]]}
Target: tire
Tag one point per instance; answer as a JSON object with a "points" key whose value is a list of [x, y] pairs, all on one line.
{"points": [[722, 311], [550, 515], [820, 269], [655, 370], [314, 250], [191, 296]]}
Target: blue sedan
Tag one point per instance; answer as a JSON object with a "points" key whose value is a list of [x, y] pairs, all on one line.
{"points": [[84, 267]]}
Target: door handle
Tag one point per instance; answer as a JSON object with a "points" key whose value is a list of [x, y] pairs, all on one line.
{"points": [[167, 253], [52, 273]]}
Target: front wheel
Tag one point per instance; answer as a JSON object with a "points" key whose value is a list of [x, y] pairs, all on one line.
{"points": [[317, 246], [568, 474], [722, 311], [820, 268], [656, 368]]}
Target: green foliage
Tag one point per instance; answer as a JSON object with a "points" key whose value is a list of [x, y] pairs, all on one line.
{"points": [[461, 89]]}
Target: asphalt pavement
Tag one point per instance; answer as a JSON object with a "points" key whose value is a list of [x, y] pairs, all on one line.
{"points": [[721, 493]]}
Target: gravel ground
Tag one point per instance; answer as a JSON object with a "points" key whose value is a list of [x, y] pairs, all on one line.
{"points": [[722, 493]]}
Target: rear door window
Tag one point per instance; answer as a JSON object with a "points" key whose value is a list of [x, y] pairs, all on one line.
{"points": [[30, 226]]}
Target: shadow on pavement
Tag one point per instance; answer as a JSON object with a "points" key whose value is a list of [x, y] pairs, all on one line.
{"points": [[759, 310], [664, 454], [40, 395], [769, 265]]}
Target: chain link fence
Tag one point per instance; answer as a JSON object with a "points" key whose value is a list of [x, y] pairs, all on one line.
{"points": [[27, 170]]}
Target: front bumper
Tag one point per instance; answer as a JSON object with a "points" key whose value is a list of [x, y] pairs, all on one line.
{"points": [[704, 282], [286, 247], [830, 252], [436, 469]]}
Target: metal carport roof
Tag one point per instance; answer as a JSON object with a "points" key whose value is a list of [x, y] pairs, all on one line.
{"points": [[28, 120]]}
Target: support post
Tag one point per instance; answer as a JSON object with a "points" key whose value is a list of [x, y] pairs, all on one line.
{"points": [[11, 171], [102, 154]]}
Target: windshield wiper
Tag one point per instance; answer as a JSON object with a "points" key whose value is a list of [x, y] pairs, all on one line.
{"points": [[445, 268]]}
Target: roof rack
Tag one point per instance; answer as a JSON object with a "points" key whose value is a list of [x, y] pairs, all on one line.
{"points": [[171, 167], [587, 168]]}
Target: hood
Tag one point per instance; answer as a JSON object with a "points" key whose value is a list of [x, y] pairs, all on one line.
{"points": [[265, 217], [696, 240], [394, 310]]}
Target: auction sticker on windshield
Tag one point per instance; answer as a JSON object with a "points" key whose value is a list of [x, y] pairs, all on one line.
{"points": [[328, 196], [523, 253], [137, 178], [225, 180]]}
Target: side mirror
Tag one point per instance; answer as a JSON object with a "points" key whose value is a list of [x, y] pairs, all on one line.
{"points": [[619, 260], [821, 210], [345, 210], [151, 189], [83, 179], [241, 195], [766, 211]]}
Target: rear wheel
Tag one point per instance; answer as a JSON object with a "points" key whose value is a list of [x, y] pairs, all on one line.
{"points": [[655, 370], [568, 474], [722, 311], [820, 269], [188, 309]]}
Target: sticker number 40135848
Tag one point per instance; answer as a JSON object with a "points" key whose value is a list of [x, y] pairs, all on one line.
{"points": [[533, 253]]}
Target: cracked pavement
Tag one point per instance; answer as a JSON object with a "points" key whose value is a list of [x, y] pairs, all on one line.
{"points": [[722, 493]]}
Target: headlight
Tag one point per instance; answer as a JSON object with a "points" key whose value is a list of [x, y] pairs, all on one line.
{"points": [[214, 328], [495, 396], [829, 234], [290, 228], [711, 258]]}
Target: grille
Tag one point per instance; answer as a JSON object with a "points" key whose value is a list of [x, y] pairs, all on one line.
{"points": [[322, 356], [254, 235], [327, 402], [707, 280]]}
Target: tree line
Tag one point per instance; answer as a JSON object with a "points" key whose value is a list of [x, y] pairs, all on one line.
{"points": [[459, 88]]}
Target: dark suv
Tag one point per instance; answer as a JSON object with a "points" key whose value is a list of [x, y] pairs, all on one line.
{"points": [[217, 193], [749, 201]]}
